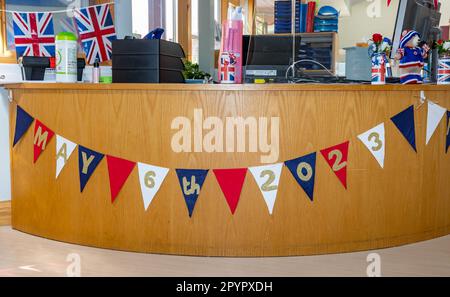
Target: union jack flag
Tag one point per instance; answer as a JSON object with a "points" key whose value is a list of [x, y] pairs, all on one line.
{"points": [[444, 71], [96, 31], [34, 34]]}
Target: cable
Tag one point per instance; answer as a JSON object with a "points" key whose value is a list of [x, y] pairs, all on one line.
{"points": [[307, 61]]}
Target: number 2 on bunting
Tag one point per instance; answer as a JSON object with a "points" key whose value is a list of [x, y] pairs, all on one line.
{"points": [[338, 164], [267, 187]]}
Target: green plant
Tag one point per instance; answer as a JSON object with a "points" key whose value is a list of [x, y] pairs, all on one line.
{"points": [[192, 71]]}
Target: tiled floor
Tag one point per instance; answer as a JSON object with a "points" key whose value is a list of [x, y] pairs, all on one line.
{"points": [[26, 255]]}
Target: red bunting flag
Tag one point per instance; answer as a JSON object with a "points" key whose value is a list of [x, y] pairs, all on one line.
{"points": [[231, 182], [336, 157], [119, 170], [42, 136], [389, 2]]}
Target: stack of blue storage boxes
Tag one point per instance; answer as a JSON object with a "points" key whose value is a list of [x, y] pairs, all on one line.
{"points": [[327, 20], [283, 15]]}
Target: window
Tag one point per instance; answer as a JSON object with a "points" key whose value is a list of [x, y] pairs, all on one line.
{"points": [[151, 14]]}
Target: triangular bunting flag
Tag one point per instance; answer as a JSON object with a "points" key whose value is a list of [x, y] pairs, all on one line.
{"points": [[231, 182], [118, 170], [268, 179], [191, 182], [448, 131], [150, 179], [388, 2], [374, 140], [88, 161], [42, 136], [337, 157], [405, 124], [64, 149], [434, 116], [304, 171], [23, 122]]}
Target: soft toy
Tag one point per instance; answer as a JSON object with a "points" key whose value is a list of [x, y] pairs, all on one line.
{"points": [[411, 56]]}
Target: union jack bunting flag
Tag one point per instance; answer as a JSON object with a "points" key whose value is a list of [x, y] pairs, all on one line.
{"points": [[96, 31], [444, 71], [34, 34]]}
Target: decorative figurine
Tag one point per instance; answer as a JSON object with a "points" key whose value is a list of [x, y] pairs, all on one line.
{"points": [[411, 55]]}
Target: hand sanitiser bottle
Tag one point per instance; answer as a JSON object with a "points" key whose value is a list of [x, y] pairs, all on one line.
{"points": [[96, 72], [66, 57]]}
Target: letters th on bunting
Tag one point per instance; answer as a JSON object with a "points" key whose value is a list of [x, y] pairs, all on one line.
{"points": [[191, 182]]}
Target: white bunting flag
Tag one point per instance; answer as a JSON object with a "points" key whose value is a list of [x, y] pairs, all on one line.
{"points": [[150, 178], [64, 149], [268, 177], [435, 114], [374, 140]]}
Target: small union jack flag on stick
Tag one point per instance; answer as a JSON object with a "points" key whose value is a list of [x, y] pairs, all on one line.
{"points": [[34, 34], [96, 31]]}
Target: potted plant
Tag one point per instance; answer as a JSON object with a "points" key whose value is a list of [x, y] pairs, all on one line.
{"points": [[379, 49], [443, 48], [193, 74]]}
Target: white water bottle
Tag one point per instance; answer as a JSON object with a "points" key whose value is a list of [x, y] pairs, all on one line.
{"points": [[66, 57]]}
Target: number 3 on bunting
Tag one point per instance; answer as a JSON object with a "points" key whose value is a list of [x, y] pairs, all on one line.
{"points": [[375, 142], [336, 157]]}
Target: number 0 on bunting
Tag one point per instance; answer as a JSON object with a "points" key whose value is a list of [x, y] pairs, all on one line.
{"points": [[336, 157]]}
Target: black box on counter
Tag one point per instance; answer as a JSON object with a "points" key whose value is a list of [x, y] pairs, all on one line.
{"points": [[34, 67], [147, 61]]}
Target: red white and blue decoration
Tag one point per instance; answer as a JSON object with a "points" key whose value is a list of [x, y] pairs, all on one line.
{"points": [[444, 71], [267, 178], [337, 158], [23, 122], [88, 161], [231, 181], [228, 67], [447, 142], [119, 170], [303, 169], [34, 34], [378, 69], [96, 31], [191, 182], [404, 121]]}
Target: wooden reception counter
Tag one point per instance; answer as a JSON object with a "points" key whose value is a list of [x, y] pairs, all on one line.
{"points": [[407, 201]]}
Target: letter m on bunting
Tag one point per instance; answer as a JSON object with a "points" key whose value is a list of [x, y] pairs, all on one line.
{"points": [[96, 31]]}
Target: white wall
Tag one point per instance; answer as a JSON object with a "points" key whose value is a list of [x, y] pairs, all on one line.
{"points": [[5, 178], [358, 27]]}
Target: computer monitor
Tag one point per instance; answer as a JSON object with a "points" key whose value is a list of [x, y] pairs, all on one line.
{"points": [[418, 15]]}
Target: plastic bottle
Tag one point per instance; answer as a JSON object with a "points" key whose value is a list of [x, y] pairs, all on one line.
{"points": [[96, 72], [66, 57]]}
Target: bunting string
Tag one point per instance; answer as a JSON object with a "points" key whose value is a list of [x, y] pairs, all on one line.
{"points": [[231, 180], [67, 10]]}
